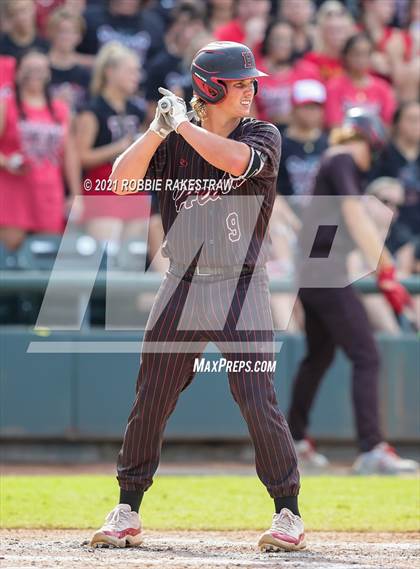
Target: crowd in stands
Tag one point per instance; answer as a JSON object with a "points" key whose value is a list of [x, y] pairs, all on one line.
{"points": [[79, 82]]}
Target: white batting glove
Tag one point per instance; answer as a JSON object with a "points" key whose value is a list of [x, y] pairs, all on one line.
{"points": [[159, 125], [177, 113]]}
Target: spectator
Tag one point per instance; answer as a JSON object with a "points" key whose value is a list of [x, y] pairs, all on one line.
{"points": [[391, 46], [167, 69], [303, 142], [104, 129], [123, 21], [356, 86], [44, 9], [21, 25], [299, 13], [36, 147], [401, 160], [219, 13], [406, 76], [334, 27], [69, 80], [248, 24], [274, 97], [7, 74]]}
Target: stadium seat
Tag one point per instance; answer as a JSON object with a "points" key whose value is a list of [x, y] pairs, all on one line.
{"points": [[132, 255]]}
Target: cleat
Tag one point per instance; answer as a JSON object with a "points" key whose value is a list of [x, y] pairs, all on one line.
{"points": [[308, 457], [122, 528], [286, 533], [383, 459]]}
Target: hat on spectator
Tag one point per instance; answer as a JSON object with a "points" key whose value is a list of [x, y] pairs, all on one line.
{"points": [[308, 91]]}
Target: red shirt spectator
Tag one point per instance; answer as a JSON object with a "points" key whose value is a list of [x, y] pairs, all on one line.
{"points": [[274, 96], [248, 25], [36, 155], [391, 46], [327, 66], [356, 87], [7, 74], [334, 27], [376, 95]]}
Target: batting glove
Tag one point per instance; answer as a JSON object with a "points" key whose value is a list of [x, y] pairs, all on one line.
{"points": [[177, 113], [159, 124], [395, 293]]}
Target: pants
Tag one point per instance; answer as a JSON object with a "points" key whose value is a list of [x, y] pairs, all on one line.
{"points": [[190, 314], [337, 318]]}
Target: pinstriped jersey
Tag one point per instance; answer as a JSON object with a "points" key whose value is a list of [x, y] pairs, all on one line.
{"points": [[207, 211]]}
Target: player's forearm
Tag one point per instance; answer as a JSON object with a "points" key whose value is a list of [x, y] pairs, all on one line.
{"points": [[132, 164], [365, 235], [92, 157], [227, 155]]}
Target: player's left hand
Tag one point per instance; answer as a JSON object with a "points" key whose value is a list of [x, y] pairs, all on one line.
{"points": [[177, 114], [159, 125]]}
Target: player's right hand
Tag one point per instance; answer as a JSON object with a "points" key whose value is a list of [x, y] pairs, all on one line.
{"points": [[394, 292], [159, 125]]}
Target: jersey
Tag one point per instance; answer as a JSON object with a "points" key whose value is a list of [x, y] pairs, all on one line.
{"points": [[111, 127], [338, 176], [226, 225], [34, 200], [376, 96], [298, 167]]}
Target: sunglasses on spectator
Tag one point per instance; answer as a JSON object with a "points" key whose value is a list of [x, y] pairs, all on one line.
{"points": [[388, 202]]}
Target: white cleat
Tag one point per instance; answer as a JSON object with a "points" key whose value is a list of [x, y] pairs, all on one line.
{"points": [[383, 459], [122, 528], [286, 533], [308, 457]]}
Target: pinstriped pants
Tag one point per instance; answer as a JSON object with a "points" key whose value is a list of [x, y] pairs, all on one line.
{"points": [[185, 317]]}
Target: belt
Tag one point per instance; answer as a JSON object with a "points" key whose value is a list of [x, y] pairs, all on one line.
{"points": [[181, 270]]}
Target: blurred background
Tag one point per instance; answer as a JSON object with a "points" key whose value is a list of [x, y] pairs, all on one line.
{"points": [[78, 83]]}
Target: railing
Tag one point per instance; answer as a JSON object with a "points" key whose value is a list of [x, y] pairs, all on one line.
{"points": [[81, 281]]}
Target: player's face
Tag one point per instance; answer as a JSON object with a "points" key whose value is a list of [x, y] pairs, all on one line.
{"points": [[409, 124], [33, 71], [358, 58], [239, 97], [309, 116], [126, 75], [66, 36]]}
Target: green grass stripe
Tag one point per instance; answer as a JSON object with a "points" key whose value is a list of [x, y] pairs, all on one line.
{"points": [[212, 503]]}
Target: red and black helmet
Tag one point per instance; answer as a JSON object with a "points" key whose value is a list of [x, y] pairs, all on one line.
{"points": [[219, 61], [368, 125]]}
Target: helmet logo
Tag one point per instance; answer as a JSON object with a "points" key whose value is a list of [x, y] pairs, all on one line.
{"points": [[248, 59]]}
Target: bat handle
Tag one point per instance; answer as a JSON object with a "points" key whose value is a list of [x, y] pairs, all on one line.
{"points": [[164, 104]]}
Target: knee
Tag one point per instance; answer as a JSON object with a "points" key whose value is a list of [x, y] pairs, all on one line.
{"points": [[367, 357], [253, 402], [320, 360], [13, 240]]}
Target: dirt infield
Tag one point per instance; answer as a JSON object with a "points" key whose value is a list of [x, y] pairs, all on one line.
{"points": [[29, 549]]}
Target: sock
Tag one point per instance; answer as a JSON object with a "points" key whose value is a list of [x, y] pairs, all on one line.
{"points": [[289, 502], [131, 497]]}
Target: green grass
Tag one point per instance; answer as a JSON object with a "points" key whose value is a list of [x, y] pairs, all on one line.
{"points": [[211, 503]]}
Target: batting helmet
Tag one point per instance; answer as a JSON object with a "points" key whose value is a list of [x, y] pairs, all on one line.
{"points": [[219, 61], [368, 125]]}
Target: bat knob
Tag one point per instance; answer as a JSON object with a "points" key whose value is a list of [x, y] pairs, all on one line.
{"points": [[164, 104]]}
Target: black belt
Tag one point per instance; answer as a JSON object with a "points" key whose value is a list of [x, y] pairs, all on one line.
{"points": [[180, 270]]}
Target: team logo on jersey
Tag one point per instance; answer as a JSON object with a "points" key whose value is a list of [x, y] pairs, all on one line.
{"points": [[183, 162]]}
